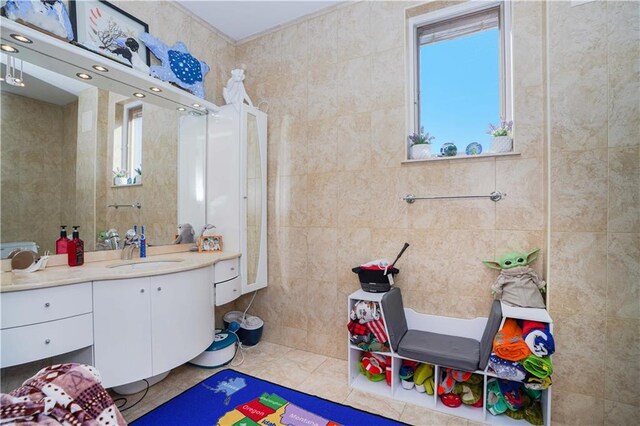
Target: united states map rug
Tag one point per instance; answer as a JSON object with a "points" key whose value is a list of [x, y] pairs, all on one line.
{"points": [[231, 398]]}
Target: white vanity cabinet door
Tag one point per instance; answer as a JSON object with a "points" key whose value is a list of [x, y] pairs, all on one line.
{"points": [[181, 316], [122, 330]]}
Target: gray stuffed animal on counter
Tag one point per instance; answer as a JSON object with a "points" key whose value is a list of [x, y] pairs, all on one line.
{"points": [[185, 234]]}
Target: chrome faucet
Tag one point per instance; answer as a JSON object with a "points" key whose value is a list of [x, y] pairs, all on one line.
{"points": [[131, 242]]}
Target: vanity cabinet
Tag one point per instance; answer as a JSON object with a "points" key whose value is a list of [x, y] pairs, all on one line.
{"points": [[42, 323], [146, 326]]}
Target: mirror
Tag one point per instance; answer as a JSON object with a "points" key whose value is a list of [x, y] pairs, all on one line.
{"points": [[253, 131], [254, 198], [61, 141]]}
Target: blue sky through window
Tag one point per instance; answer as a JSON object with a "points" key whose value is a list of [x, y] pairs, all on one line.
{"points": [[460, 89]]}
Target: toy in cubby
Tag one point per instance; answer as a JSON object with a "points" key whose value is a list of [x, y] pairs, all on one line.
{"points": [[376, 367], [366, 327], [418, 376], [460, 387]]}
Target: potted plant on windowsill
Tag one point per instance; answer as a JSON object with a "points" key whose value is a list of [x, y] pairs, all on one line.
{"points": [[501, 141], [138, 178], [119, 177], [420, 147]]}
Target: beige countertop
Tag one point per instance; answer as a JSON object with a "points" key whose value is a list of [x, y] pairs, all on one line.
{"points": [[104, 270]]}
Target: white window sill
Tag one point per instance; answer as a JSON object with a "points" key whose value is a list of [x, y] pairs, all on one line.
{"points": [[127, 185], [462, 156]]}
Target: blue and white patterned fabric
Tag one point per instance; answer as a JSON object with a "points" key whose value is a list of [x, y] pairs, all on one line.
{"points": [[178, 65]]}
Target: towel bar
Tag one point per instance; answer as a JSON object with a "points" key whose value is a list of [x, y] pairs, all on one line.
{"points": [[494, 196]]}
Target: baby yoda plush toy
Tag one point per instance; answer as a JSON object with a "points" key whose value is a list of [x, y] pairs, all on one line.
{"points": [[185, 234], [517, 284]]}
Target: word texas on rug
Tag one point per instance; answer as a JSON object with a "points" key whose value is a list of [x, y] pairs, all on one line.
{"points": [[230, 398]]}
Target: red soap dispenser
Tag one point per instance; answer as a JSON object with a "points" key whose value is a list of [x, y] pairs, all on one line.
{"points": [[63, 241], [75, 249]]}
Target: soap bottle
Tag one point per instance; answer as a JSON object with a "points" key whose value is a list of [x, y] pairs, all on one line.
{"points": [[63, 241], [143, 243], [76, 249]]}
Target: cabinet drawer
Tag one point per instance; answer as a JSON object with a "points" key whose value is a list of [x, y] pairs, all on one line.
{"points": [[228, 291], [45, 304], [34, 342], [226, 270]]}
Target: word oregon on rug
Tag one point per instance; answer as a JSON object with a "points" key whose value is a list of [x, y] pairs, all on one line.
{"points": [[230, 398]]}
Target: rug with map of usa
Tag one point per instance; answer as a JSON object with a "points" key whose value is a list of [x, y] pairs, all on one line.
{"points": [[231, 398]]}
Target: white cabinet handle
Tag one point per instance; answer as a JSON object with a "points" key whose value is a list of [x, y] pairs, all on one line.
{"points": [[47, 341], [46, 305], [142, 290]]}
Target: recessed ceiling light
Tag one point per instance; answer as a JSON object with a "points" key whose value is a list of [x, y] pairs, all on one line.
{"points": [[7, 48], [155, 89], [139, 95], [196, 105], [181, 109], [84, 76], [100, 68], [21, 38]]}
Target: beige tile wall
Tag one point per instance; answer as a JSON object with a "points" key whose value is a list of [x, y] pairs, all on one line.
{"points": [[335, 88], [594, 88], [335, 91], [36, 178]]}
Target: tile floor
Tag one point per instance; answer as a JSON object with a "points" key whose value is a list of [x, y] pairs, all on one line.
{"points": [[304, 371]]}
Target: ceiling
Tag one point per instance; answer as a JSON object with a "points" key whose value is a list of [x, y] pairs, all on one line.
{"points": [[241, 19]]}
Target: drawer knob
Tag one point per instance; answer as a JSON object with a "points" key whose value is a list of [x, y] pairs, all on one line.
{"points": [[142, 290], [159, 288], [47, 341], [233, 269], [235, 289], [46, 305]]}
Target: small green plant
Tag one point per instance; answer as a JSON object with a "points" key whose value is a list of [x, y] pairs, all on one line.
{"points": [[421, 137], [139, 171], [119, 173], [504, 129]]}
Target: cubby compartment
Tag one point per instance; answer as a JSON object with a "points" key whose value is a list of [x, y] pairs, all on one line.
{"points": [[358, 380], [472, 328], [422, 399]]}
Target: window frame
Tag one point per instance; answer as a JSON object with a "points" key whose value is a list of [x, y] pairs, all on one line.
{"points": [[413, 56], [130, 110]]}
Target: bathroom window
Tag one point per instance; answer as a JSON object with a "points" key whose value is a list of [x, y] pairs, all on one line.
{"points": [[127, 147], [460, 73]]}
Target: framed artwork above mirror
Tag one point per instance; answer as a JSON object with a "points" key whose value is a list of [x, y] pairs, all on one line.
{"points": [[105, 29]]}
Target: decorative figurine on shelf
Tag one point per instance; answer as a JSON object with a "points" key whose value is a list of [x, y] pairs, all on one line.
{"points": [[48, 15], [235, 92], [518, 284], [185, 234], [178, 65], [128, 49]]}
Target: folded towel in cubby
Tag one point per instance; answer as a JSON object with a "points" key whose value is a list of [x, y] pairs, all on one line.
{"points": [[538, 338], [509, 344], [510, 370], [537, 366]]}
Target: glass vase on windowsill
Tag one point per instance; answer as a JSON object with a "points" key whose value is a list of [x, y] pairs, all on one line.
{"points": [[420, 147]]}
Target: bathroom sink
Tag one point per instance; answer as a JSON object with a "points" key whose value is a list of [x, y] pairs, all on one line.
{"points": [[142, 265]]}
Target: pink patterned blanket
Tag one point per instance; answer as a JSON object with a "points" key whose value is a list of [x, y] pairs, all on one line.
{"points": [[63, 394]]}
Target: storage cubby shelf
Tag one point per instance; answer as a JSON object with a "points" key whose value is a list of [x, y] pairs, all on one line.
{"points": [[471, 328]]}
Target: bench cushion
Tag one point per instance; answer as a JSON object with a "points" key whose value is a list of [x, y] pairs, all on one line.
{"points": [[493, 324], [456, 352], [394, 317]]}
